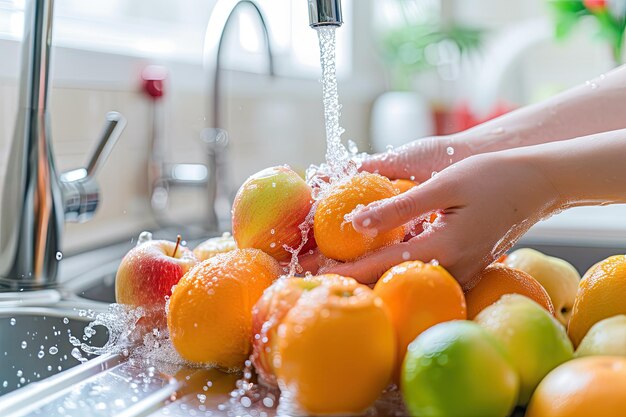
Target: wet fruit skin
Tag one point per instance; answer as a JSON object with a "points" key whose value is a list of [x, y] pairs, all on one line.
{"points": [[336, 349], [458, 369], [534, 340], [268, 210], [497, 280], [336, 238], [601, 294], [270, 311], [210, 311], [146, 275], [559, 278], [605, 338], [419, 295], [583, 387]]}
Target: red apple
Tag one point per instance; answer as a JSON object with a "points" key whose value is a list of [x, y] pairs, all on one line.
{"points": [[268, 210], [147, 273]]}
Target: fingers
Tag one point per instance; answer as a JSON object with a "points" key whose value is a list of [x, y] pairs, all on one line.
{"points": [[370, 268], [392, 164], [390, 213]]}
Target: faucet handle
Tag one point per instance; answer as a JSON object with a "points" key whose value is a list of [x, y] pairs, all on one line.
{"points": [[81, 193], [113, 127]]}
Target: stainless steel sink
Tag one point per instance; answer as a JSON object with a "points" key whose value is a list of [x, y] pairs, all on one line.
{"points": [[35, 344]]}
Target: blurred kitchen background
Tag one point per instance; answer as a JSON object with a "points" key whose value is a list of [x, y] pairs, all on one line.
{"points": [[407, 68]]}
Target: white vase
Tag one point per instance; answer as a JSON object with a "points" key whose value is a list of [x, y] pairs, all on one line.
{"points": [[399, 117]]}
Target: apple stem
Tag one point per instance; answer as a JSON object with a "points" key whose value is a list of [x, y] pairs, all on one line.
{"points": [[176, 247]]}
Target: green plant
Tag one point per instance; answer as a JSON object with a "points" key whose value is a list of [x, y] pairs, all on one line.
{"points": [[405, 48], [610, 16]]}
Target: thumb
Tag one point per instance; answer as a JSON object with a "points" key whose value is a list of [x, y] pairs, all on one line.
{"points": [[381, 216]]}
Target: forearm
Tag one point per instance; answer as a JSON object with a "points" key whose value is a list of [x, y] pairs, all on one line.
{"points": [[585, 171], [596, 106]]}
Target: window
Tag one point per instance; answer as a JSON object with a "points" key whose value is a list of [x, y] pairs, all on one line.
{"points": [[174, 30]]}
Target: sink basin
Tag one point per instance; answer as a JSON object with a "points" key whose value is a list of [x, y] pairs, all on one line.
{"points": [[35, 344]]}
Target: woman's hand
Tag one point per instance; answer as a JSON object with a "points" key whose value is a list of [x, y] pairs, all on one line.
{"points": [[485, 203]]}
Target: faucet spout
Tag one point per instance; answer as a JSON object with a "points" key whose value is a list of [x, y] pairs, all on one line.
{"points": [[36, 201], [325, 13]]}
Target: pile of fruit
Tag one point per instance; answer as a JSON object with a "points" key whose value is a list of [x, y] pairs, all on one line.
{"points": [[529, 332]]}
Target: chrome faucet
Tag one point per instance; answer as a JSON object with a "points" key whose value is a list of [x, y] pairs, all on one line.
{"points": [[35, 201], [216, 138], [325, 13]]}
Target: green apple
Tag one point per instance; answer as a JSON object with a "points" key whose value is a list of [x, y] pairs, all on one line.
{"points": [[607, 337], [534, 340], [558, 277], [456, 368]]}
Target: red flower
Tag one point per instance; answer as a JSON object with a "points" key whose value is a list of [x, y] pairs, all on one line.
{"points": [[595, 5]]}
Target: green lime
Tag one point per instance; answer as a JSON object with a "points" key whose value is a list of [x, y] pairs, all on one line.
{"points": [[457, 369]]}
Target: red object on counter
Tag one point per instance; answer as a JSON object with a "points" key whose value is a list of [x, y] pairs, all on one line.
{"points": [[153, 80]]}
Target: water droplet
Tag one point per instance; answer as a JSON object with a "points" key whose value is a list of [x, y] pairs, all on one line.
{"points": [[12, 321], [434, 262], [389, 148], [66, 320], [594, 86], [602, 76], [268, 402], [5, 384], [432, 175], [53, 350], [272, 231], [450, 150], [41, 354], [20, 373], [272, 245], [246, 402], [59, 255], [406, 256], [24, 344], [273, 185]]}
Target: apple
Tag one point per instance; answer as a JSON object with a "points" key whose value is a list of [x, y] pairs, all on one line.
{"points": [[147, 273], [214, 246], [605, 338], [558, 277], [268, 210], [533, 339]]}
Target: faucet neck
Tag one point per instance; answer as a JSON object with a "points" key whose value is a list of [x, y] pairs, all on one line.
{"points": [[36, 54]]}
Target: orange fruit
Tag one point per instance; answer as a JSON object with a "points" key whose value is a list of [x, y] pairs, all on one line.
{"points": [[418, 295], [601, 294], [210, 312], [268, 313], [591, 386], [497, 280], [403, 185], [336, 348], [336, 237]]}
